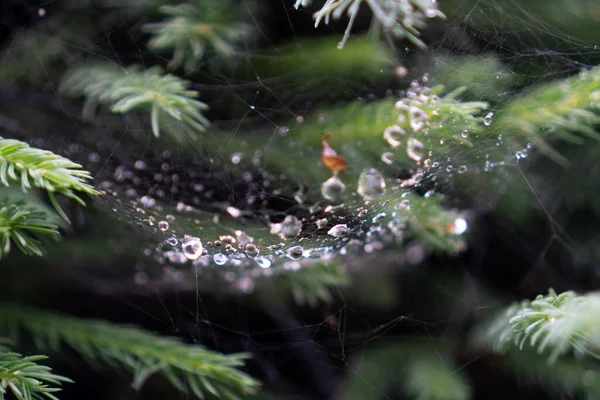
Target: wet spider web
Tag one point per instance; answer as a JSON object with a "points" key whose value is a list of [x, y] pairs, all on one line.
{"points": [[210, 229]]}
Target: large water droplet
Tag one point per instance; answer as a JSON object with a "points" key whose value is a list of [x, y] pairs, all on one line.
{"points": [[236, 157], [192, 247], [394, 135], [220, 258], [465, 134], [487, 120], [163, 226], [415, 149], [339, 230], [289, 228], [418, 118], [263, 262], [251, 250], [333, 188], [459, 227], [295, 252], [387, 158], [370, 183]]}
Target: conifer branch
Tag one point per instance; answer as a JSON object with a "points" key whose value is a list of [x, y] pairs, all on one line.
{"points": [[190, 368], [553, 324], [26, 379], [43, 169], [189, 29], [22, 224], [400, 18], [163, 96], [567, 110]]}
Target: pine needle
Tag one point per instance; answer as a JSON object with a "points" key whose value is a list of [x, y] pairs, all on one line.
{"points": [[22, 224], [190, 368], [43, 169], [26, 379], [189, 29], [163, 96]]}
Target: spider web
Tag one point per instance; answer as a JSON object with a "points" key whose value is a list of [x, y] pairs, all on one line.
{"points": [[311, 304]]}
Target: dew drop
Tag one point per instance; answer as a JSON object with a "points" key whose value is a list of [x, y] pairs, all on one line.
{"points": [[192, 247], [163, 226], [220, 258], [394, 135], [415, 149], [289, 228], [387, 158], [418, 118], [487, 120], [465, 134], [299, 119], [139, 165], [234, 212], [295, 252], [339, 230], [236, 157], [321, 223], [370, 184], [263, 262], [459, 227], [172, 241], [462, 169], [251, 250], [333, 188]]}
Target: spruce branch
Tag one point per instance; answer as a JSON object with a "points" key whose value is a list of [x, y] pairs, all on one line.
{"points": [[23, 224], [189, 29], [400, 18], [33, 167], [26, 379], [555, 324], [163, 96], [566, 110], [188, 367]]}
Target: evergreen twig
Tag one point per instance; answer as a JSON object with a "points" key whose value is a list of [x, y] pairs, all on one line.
{"points": [[557, 323], [22, 223], [189, 367], [189, 29], [164, 96], [26, 379], [400, 18], [42, 169]]}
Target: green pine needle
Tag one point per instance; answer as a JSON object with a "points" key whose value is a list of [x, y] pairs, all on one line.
{"points": [[163, 96], [190, 368], [26, 379], [553, 323], [21, 224], [42, 169], [189, 29], [399, 18]]}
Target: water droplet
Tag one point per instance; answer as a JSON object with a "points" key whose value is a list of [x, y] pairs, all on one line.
{"points": [[234, 212], [220, 258], [370, 184], [462, 169], [487, 120], [284, 130], [418, 118], [333, 188], [163, 226], [251, 250], [321, 223], [387, 158], [299, 119], [172, 241], [236, 157], [340, 45], [339, 230], [459, 227], [394, 135], [139, 165], [415, 149], [289, 228], [401, 71], [192, 247], [465, 134], [263, 262], [295, 252]]}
